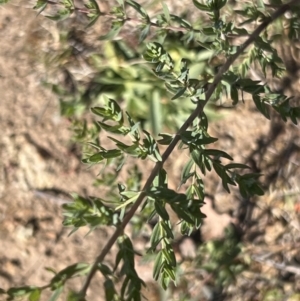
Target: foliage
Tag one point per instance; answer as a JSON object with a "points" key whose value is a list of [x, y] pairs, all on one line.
{"points": [[215, 36]]}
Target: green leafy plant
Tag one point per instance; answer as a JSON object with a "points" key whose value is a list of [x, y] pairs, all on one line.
{"points": [[215, 33]]}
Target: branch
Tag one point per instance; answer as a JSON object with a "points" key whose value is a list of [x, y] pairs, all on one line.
{"points": [[197, 112]]}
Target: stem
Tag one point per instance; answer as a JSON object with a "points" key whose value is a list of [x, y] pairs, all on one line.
{"points": [[198, 111]]}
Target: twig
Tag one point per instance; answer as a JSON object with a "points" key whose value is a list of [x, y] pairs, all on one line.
{"points": [[279, 266], [197, 112]]}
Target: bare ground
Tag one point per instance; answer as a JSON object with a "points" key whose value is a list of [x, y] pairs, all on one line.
{"points": [[37, 157]]}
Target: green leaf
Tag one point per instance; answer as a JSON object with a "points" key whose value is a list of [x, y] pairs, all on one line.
{"points": [[250, 86], [35, 295], [129, 200], [104, 269], [92, 19], [198, 159], [76, 269], [110, 291], [92, 4], [144, 32], [156, 236], [129, 194], [216, 153], [221, 171], [166, 11], [161, 210], [158, 264], [182, 213], [56, 293], [14, 292], [167, 229], [181, 22], [196, 138], [62, 14], [201, 6], [161, 179], [166, 139], [41, 5], [236, 165], [115, 29], [179, 93], [68, 4], [139, 9], [186, 172], [169, 255], [199, 188], [75, 296], [261, 106]]}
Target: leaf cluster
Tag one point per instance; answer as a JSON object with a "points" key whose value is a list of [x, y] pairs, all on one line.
{"points": [[215, 38]]}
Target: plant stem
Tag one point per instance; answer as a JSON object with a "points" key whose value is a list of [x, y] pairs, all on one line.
{"points": [[197, 112]]}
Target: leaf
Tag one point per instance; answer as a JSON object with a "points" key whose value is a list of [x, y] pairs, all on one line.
{"points": [[221, 171], [182, 22], [115, 29], [179, 93], [156, 236], [186, 172], [198, 159], [129, 194], [68, 4], [69, 272], [20, 291], [166, 11], [161, 179], [35, 295], [161, 210], [96, 158], [93, 19], [139, 9], [144, 33], [169, 255], [128, 201], [236, 165], [216, 153], [158, 264], [61, 15], [166, 139], [261, 106], [182, 213], [199, 189], [110, 291], [92, 4], [168, 229], [56, 294], [41, 4], [104, 269], [201, 6], [196, 138], [75, 296]]}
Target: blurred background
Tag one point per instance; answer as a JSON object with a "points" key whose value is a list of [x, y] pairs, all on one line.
{"points": [[51, 74]]}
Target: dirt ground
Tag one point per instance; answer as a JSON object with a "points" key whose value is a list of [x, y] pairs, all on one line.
{"points": [[40, 166]]}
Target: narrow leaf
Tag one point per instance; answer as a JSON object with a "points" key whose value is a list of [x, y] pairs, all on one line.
{"points": [[116, 27]]}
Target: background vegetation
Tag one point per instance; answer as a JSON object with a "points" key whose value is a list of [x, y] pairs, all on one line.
{"points": [[133, 100]]}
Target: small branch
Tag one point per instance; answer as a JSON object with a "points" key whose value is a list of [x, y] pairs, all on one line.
{"points": [[128, 19], [197, 112], [279, 266]]}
